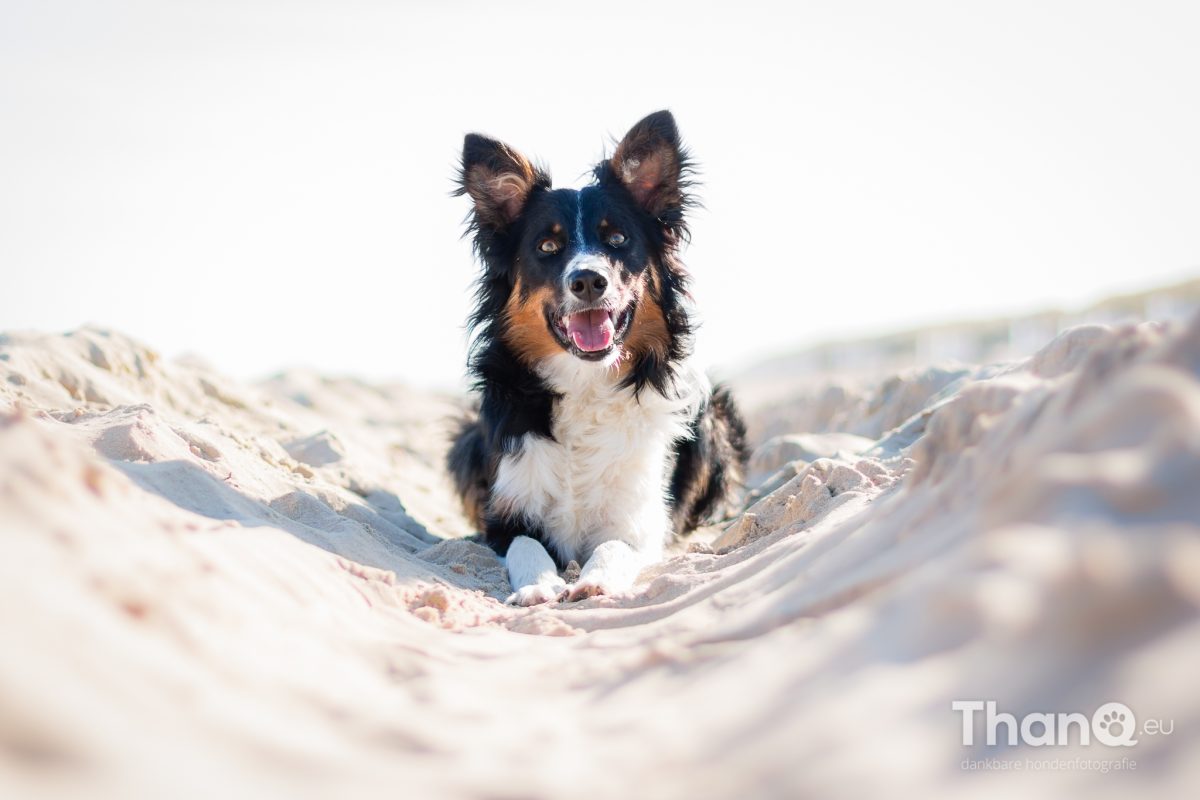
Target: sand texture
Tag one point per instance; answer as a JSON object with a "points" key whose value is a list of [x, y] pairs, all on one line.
{"points": [[218, 589]]}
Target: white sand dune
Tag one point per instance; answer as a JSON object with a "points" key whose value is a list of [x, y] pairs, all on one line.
{"points": [[210, 589]]}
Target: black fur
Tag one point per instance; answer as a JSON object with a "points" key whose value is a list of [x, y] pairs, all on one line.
{"points": [[500, 532], [710, 466], [513, 204]]}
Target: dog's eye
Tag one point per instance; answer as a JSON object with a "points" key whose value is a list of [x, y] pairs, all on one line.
{"points": [[616, 239], [548, 246]]}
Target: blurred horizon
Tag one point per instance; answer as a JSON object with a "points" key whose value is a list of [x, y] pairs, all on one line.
{"points": [[266, 185]]}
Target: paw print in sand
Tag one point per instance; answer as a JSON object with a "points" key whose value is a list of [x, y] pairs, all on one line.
{"points": [[1114, 723]]}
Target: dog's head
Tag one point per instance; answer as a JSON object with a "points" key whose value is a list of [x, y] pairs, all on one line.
{"points": [[588, 272]]}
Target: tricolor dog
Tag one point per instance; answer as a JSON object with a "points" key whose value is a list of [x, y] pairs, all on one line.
{"points": [[595, 439]]}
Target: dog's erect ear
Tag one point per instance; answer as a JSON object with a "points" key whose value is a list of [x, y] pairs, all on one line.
{"points": [[652, 164], [498, 179]]}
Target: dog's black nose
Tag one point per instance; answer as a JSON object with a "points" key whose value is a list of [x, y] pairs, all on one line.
{"points": [[588, 285]]}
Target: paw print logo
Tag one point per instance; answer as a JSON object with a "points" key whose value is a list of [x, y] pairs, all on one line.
{"points": [[1113, 724]]}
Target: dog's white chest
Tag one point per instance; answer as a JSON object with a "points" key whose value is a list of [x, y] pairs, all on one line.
{"points": [[604, 476]]}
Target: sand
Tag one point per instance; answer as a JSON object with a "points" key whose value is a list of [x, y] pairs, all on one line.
{"points": [[210, 588]]}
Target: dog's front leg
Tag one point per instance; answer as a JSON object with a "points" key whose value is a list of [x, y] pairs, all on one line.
{"points": [[532, 573], [612, 569]]}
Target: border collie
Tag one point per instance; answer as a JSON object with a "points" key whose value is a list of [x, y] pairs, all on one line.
{"points": [[595, 439]]}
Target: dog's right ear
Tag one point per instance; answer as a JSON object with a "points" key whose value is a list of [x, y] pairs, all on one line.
{"points": [[498, 179]]}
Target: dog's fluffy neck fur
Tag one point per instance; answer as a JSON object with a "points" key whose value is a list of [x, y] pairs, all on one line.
{"points": [[602, 474]]}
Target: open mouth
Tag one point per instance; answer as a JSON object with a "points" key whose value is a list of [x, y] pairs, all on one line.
{"points": [[592, 334]]}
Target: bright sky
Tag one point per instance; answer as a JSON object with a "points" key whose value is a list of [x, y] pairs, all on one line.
{"points": [[267, 184]]}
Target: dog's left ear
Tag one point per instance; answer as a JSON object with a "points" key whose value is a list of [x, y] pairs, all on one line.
{"points": [[651, 163]]}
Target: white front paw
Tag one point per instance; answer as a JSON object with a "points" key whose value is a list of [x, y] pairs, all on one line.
{"points": [[596, 584], [537, 593]]}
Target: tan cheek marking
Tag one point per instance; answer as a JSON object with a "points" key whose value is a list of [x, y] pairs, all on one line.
{"points": [[526, 332], [648, 332]]}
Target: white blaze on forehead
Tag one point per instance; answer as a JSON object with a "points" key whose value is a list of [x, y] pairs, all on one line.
{"points": [[584, 258], [579, 217]]}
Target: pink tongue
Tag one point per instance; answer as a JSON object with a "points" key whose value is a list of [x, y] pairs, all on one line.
{"points": [[590, 330]]}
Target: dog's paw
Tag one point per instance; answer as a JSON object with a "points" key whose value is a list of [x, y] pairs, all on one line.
{"points": [[536, 594], [594, 586]]}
